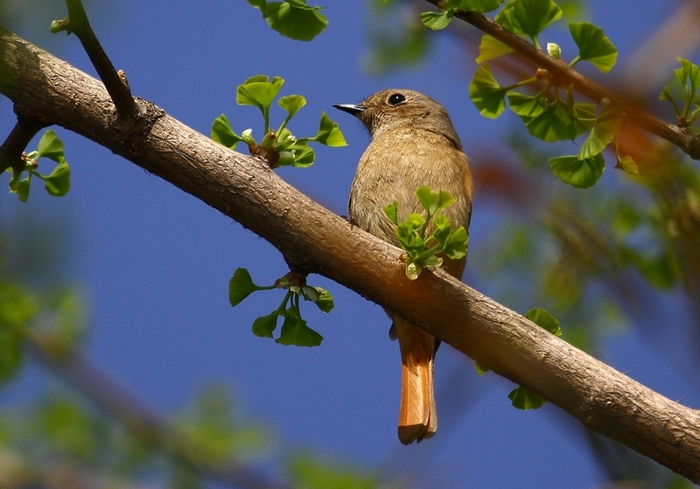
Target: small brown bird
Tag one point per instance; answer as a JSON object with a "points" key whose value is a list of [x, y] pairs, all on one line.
{"points": [[413, 144]]}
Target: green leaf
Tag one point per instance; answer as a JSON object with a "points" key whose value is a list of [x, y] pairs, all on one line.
{"points": [[20, 187], [474, 5], [316, 472], [486, 94], [491, 48], [407, 235], [524, 398], [329, 133], [57, 183], [240, 286], [17, 307], [304, 156], [325, 300], [50, 147], [688, 72], [627, 164], [69, 429], [259, 91], [296, 332], [533, 16], [551, 124], [292, 103], [391, 211], [437, 20], [545, 320], [413, 271], [10, 352], [265, 325], [456, 245], [582, 118], [481, 369], [292, 18], [526, 105], [606, 128], [657, 270], [578, 173], [505, 18], [222, 132], [442, 228], [593, 45], [433, 200]]}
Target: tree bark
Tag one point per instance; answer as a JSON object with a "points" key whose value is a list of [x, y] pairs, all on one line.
{"points": [[50, 91]]}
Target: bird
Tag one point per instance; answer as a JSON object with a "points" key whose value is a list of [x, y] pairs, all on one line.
{"points": [[413, 144]]}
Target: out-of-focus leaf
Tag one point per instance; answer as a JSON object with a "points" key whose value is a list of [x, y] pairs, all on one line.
{"points": [[576, 172], [607, 126], [545, 320]]}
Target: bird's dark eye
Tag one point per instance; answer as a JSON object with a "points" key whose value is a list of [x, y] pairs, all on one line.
{"points": [[396, 99]]}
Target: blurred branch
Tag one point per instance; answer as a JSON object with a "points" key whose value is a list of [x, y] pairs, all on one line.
{"points": [[318, 241], [684, 139], [651, 64], [144, 423]]}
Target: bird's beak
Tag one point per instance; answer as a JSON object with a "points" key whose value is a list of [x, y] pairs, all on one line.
{"points": [[351, 108]]}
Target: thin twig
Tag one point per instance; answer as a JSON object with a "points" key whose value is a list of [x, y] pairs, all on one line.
{"points": [[78, 24]]}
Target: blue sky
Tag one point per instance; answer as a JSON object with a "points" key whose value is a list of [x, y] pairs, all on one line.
{"points": [[154, 263]]}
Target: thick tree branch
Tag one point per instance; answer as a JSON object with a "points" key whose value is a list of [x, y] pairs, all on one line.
{"points": [[686, 140], [317, 240]]}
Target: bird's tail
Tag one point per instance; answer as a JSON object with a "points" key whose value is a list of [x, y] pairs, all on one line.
{"points": [[417, 414]]}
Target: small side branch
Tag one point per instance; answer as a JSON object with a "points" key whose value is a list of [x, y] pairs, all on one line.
{"points": [[12, 150], [77, 23]]}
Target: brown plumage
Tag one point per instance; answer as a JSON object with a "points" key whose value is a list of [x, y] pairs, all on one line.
{"points": [[413, 144]]}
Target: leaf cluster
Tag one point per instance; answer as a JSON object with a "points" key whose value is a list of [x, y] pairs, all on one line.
{"points": [[423, 250], [683, 94], [295, 330], [549, 111], [279, 147], [60, 315], [58, 430], [56, 183]]}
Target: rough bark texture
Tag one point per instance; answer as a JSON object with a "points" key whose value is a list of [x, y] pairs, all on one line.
{"points": [[50, 91]]}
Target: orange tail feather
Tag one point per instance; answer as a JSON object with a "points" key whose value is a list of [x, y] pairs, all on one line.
{"points": [[417, 413]]}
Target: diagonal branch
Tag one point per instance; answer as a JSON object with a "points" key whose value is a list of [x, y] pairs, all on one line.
{"points": [[144, 423], [316, 240], [686, 140]]}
